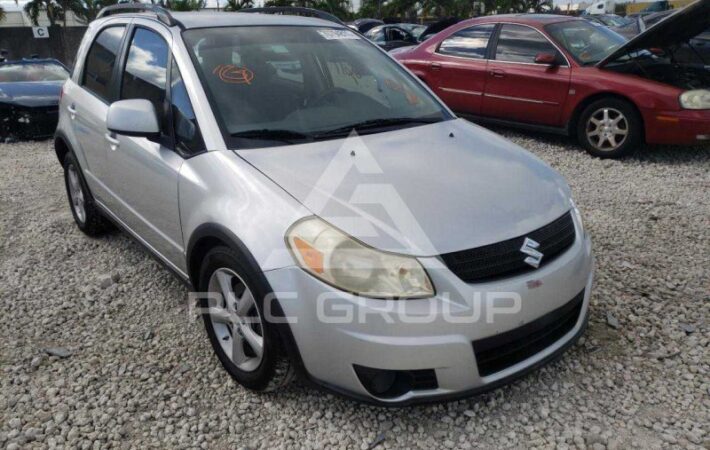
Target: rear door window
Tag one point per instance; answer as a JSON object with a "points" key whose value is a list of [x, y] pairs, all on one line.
{"points": [[100, 61], [470, 42]]}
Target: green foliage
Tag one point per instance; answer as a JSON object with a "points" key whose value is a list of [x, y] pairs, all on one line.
{"points": [[185, 5], [340, 8], [35, 8], [236, 5], [86, 10]]}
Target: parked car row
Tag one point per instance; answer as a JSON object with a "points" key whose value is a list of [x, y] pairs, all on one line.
{"points": [[570, 76]]}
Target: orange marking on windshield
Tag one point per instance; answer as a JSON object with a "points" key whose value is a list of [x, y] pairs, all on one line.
{"points": [[230, 73]]}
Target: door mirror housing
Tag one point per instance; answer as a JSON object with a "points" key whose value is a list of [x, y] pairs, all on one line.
{"points": [[135, 118], [546, 58]]}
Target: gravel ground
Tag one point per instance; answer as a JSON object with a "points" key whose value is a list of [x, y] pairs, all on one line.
{"points": [[131, 369]]}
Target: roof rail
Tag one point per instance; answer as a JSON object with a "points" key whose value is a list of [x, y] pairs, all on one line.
{"points": [[123, 8], [294, 11]]}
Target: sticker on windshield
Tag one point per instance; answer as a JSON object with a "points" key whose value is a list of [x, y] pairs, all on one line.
{"points": [[332, 34]]}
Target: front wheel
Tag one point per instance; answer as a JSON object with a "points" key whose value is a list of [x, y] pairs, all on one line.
{"points": [[246, 344], [610, 128]]}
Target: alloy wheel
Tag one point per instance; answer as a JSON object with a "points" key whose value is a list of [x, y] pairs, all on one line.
{"points": [[235, 319], [607, 129], [76, 194]]}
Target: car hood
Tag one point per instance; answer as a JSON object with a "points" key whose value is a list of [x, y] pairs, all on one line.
{"points": [[677, 28], [31, 94], [422, 191]]}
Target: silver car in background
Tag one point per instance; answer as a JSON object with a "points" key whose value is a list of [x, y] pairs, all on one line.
{"points": [[334, 218]]}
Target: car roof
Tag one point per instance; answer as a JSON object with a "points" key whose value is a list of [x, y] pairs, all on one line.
{"points": [[523, 19], [216, 19]]}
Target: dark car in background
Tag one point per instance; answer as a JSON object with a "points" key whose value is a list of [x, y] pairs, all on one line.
{"points": [[391, 36], [29, 97]]}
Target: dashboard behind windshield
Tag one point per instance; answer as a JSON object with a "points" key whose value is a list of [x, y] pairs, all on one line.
{"points": [[300, 82]]}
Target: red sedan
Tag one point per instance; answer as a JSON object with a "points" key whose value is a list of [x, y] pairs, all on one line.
{"points": [[570, 76]]}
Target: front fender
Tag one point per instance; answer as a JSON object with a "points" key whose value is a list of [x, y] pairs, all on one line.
{"points": [[221, 189]]}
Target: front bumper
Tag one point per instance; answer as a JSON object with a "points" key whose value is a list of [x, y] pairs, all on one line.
{"points": [[336, 331], [684, 127]]}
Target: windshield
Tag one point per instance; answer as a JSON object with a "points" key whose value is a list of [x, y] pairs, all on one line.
{"points": [[274, 85], [47, 71], [587, 42]]}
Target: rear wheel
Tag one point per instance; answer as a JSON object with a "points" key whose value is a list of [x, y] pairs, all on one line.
{"points": [[86, 215], [246, 344], [610, 128]]}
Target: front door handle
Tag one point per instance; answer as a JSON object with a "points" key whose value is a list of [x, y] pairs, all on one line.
{"points": [[72, 111], [497, 73], [113, 142], [435, 66]]}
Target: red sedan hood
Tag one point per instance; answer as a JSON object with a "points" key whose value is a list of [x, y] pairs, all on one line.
{"points": [[677, 28]]}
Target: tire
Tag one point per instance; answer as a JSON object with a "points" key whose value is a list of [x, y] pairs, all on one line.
{"points": [[266, 372], [610, 128], [86, 214]]}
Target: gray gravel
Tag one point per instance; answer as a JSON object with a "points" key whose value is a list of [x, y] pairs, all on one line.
{"points": [[97, 348]]}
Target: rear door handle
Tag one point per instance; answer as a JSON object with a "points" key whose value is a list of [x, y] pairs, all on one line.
{"points": [[497, 73], [435, 66], [72, 111], [113, 142]]}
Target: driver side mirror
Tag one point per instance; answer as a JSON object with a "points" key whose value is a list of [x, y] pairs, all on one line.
{"points": [[546, 58], [135, 118]]}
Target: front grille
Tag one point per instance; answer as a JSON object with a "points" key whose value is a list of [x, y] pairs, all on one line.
{"points": [[499, 352], [504, 259]]}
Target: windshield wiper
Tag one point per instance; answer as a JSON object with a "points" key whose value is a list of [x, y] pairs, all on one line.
{"points": [[374, 124], [269, 134]]}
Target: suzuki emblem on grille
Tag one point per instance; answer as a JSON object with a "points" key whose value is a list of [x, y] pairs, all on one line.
{"points": [[530, 248]]}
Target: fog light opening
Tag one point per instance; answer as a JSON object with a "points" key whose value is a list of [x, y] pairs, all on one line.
{"points": [[385, 383]]}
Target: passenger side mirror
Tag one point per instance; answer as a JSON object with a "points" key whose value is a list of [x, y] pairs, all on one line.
{"points": [[133, 118], [546, 58]]}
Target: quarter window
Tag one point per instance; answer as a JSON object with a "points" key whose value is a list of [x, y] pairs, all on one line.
{"points": [[470, 42], [100, 61], [518, 43], [145, 75]]}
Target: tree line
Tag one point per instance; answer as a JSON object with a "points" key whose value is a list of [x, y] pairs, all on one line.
{"points": [[86, 10]]}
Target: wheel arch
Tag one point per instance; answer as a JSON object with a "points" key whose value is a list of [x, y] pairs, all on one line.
{"points": [[582, 105], [209, 235], [61, 147]]}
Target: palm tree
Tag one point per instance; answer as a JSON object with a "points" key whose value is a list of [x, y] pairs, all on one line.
{"points": [[86, 10], [236, 5], [34, 8], [185, 5]]}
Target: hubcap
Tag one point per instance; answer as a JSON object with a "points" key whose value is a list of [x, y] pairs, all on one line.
{"points": [[76, 194], [236, 320], [607, 129]]}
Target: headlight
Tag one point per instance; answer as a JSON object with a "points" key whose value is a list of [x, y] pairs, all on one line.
{"points": [[697, 99], [577, 215], [342, 261]]}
